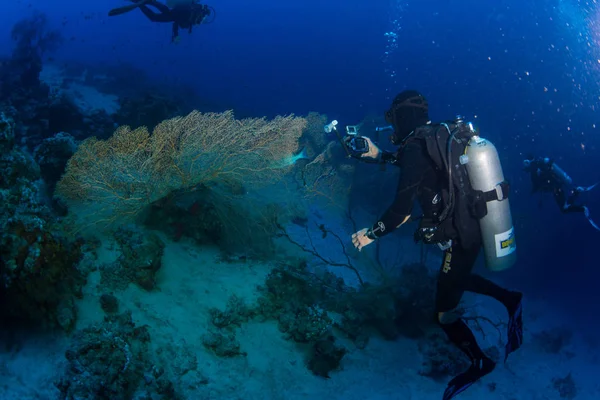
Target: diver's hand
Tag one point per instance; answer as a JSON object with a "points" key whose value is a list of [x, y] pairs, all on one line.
{"points": [[374, 151], [360, 239]]}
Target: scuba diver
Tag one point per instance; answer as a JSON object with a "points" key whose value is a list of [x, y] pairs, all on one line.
{"points": [[430, 176], [184, 14], [547, 176]]}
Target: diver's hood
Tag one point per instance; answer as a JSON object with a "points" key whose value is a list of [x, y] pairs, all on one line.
{"points": [[408, 111]]}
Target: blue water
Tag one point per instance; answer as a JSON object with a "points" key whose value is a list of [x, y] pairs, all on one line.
{"points": [[526, 73]]}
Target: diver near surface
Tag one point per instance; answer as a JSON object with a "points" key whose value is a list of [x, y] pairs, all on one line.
{"points": [[184, 14], [547, 176], [447, 222]]}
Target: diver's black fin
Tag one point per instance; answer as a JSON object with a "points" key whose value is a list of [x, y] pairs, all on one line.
{"points": [[463, 381], [515, 328], [586, 212], [126, 9], [586, 189]]}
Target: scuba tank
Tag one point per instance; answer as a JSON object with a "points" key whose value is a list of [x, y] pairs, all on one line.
{"points": [[560, 174], [487, 179], [476, 195]]}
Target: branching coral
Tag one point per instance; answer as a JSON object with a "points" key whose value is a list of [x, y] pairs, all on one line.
{"points": [[311, 249], [327, 179], [123, 175]]}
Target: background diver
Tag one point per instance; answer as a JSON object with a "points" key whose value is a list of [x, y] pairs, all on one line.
{"points": [[422, 180], [546, 176], [184, 14]]}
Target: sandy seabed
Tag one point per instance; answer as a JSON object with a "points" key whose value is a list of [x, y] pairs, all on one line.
{"points": [[193, 280]]}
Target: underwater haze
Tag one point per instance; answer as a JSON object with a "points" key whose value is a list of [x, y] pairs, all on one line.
{"points": [[162, 241]]}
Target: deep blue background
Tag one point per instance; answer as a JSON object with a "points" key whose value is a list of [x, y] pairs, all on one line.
{"points": [[527, 74]]}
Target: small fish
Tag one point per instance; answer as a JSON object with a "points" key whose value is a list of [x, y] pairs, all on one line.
{"points": [[291, 160]]}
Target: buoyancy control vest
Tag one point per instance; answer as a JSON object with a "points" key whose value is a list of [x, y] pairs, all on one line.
{"points": [[475, 206]]}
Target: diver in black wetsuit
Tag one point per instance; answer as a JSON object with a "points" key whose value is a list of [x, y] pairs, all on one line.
{"points": [[421, 180], [547, 176], [183, 16]]}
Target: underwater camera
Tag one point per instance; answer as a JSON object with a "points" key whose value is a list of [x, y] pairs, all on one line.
{"points": [[357, 144], [353, 143]]}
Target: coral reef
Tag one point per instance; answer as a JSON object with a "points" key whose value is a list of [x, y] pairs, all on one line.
{"points": [[218, 216], [290, 292], [222, 340], [326, 356], [110, 361], [197, 166], [114, 359], [291, 301], [52, 155], [223, 344], [306, 324], [179, 363], [236, 312], [39, 266], [109, 303], [372, 307], [17, 166], [131, 170], [311, 310], [45, 98], [140, 259], [292, 289], [400, 306]]}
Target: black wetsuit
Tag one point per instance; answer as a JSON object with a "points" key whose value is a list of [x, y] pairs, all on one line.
{"points": [[421, 181], [544, 178], [184, 16]]}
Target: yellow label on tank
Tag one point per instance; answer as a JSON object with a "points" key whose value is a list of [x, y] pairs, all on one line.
{"points": [[505, 243]]}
